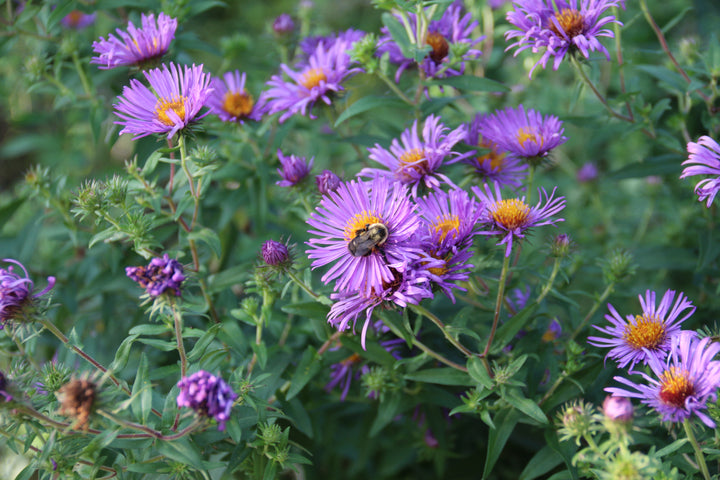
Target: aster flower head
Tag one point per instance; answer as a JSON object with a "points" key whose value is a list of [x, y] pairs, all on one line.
{"points": [[560, 27], [78, 20], [327, 182], [138, 45], [275, 253], [513, 217], [682, 384], [317, 80], [414, 161], [309, 45], [587, 173], [231, 101], [163, 274], [363, 229], [344, 372], [449, 219], [294, 169], [636, 338], [493, 164], [171, 104], [16, 292], [704, 159], [523, 134], [208, 395], [453, 31]]}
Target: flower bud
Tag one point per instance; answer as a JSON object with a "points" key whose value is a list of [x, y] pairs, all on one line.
{"points": [[560, 246], [618, 266], [16, 297], [283, 25], [617, 408], [274, 253], [587, 173], [327, 182]]}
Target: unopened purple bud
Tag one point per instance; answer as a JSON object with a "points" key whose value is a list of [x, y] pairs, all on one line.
{"points": [[294, 169], [587, 173], [283, 24], [327, 182], [560, 246], [274, 253], [618, 408]]}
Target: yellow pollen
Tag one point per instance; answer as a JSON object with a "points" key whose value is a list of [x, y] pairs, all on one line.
{"points": [[447, 224], [176, 104], [312, 78], [238, 104], [675, 387], [359, 222], [440, 47], [647, 332], [571, 21], [496, 158], [510, 213], [526, 134]]}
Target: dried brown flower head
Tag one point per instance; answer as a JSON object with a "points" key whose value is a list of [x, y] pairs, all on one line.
{"points": [[76, 400]]}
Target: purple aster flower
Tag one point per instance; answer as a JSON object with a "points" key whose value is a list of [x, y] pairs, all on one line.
{"points": [[559, 27], [327, 182], [294, 169], [704, 159], [587, 173], [344, 372], [524, 134], [309, 45], [513, 217], [683, 384], [171, 104], [283, 24], [407, 286], [208, 395], [364, 228], [495, 165], [138, 45], [617, 408], [230, 100], [275, 253], [320, 79], [553, 331], [160, 275], [454, 28], [412, 161], [77, 20], [16, 292], [636, 338], [3, 388]]}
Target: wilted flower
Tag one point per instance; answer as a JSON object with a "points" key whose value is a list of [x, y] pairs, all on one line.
{"points": [[414, 162], [208, 395], [327, 182], [77, 19], [513, 217], [275, 253], [137, 45], [683, 384], [16, 292], [617, 408], [560, 27], [230, 100], [172, 102], [704, 159], [162, 274], [294, 169], [637, 338], [76, 400]]}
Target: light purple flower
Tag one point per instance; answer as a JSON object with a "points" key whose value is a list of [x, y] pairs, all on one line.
{"points": [[309, 45], [617, 408], [294, 169], [16, 292], [636, 338], [137, 45], [343, 373], [327, 182], [560, 27], [496, 165], [343, 221], [683, 384], [413, 161], [172, 102], [77, 20], [318, 80], [231, 101], [553, 331], [704, 159], [208, 395], [523, 134], [162, 274], [513, 217]]}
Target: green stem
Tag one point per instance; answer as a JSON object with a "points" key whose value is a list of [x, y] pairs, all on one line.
{"points": [[592, 311], [578, 68], [394, 88], [177, 318], [548, 286], [619, 55], [698, 451], [498, 306], [428, 350], [320, 298], [433, 318], [530, 178], [191, 182], [83, 77]]}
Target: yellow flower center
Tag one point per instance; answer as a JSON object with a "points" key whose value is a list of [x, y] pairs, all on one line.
{"points": [[359, 222], [570, 20], [238, 104], [510, 213], [74, 17], [440, 47], [413, 159], [647, 332], [176, 104], [312, 78], [675, 387], [446, 224], [527, 134], [496, 158]]}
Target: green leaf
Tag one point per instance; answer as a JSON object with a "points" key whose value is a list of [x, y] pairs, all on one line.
{"points": [[122, 354], [308, 367], [507, 331], [471, 83], [9, 209], [208, 237], [370, 102], [142, 391], [505, 421], [387, 411], [182, 450], [526, 406], [307, 309], [261, 351], [59, 13], [159, 344], [150, 330], [479, 373], [299, 416], [667, 450], [441, 376], [399, 35], [108, 235], [203, 342], [542, 462]]}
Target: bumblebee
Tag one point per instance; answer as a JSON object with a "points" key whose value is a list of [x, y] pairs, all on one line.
{"points": [[367, 239]]}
